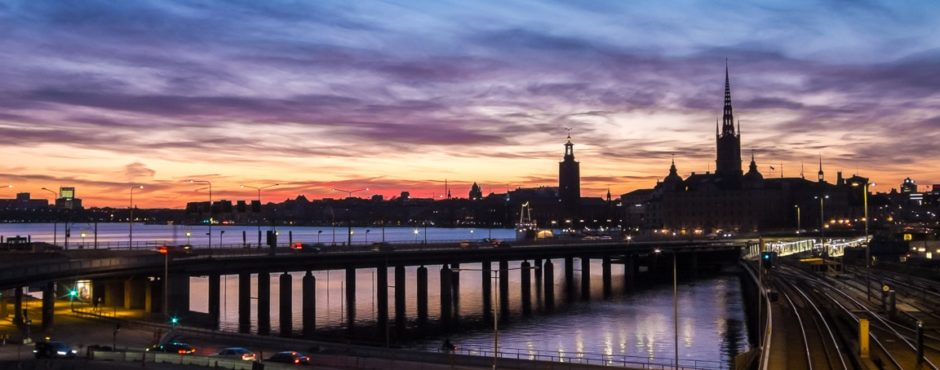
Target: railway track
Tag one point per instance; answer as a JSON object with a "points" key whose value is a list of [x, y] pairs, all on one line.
{"points": [[894, 340]]}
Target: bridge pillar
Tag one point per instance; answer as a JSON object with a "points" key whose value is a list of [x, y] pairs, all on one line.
{"points": [[538, 283], [4, 310], [549, 271], [178, 295], [486, 282], [455, 290], [135, 293], [422, 294], [114, 293], [48, 304], [286, 308], [244, 302], [381, 292], [18, 305], [264, 303], [309, 310], [447, 300], [585, 278], [350, 298], [569, 279], [153, 295], [605, 272], [98, 289], [629, 273], [504, 290], [526, 270], [215, 288], [400, 314]]}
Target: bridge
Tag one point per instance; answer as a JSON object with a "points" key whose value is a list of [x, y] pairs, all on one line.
{"points": [[159, 283]]}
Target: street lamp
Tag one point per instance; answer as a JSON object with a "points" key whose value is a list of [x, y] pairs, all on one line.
{"points": [[259, 189], [349, 194], [798, 227], [495, 276], [166, 277], [367, 235], [188, 235], [83, 239], [675, 303], [318, 235], [55, 218], [130, 218], [210, 206], [416, 236], [822, 219], [867, 244]]}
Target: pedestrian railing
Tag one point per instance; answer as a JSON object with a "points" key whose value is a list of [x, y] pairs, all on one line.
{"points": [[589, 358]]}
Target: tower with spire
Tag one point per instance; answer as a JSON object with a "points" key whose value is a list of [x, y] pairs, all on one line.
{"points": [[728, 164], [821, 175], [569, 181]]}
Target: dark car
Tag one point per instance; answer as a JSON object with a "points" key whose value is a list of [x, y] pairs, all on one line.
{"points": [[237, 353], [382, 247], [305, 248], [53, 349], [173, 347], [290, 357]]}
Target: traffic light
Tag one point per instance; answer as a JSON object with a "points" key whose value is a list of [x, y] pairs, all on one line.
{"points": [[768, 258], [174, 320], [73, 293]]}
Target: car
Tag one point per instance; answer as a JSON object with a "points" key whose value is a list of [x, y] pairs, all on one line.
{"points": [[290, 357], [53, 349], [305, 248], [173, 347], [175, 249], [503, 244], [381, 247], [237, 353]]}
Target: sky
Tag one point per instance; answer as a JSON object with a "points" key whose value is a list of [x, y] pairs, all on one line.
{"points": [[402, 95]]}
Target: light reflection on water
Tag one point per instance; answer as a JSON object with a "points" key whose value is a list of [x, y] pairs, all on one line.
{"points": [[711, 314], [711, 325]]}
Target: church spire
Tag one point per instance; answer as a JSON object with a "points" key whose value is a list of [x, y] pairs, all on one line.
{"points": [[820, 174], [727, 127]]}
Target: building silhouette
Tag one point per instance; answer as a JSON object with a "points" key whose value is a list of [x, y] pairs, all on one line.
{"points": [[569, 183], [729, 200]]}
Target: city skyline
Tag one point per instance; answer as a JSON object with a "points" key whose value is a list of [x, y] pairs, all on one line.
{"points": [[396, 97]]}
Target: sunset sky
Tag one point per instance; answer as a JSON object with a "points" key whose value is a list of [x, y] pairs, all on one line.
{"points": [[401, 95]]}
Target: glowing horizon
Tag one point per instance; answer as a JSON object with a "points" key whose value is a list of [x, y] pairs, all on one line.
{"points": [[403, 96]]}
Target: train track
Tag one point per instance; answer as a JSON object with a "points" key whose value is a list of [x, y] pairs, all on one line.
{"points": [[894, 340], [816, 332]]}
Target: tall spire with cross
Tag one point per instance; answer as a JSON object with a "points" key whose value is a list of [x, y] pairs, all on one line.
{"points": [[728, 163]]}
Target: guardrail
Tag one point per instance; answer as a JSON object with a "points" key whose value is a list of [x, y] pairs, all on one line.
{"points": [[589, 358]]}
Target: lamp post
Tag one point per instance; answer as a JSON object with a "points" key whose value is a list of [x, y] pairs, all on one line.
{"points": [[318, 235], [495, 276], [349, 194], [798, 227], [130, 218], [259, 189], [83, 239], [210, 206], [416, 236], [166, 277], [867, 245], [55, 218], [188, 235], [675, 303], [367, 235], [822, 219]]}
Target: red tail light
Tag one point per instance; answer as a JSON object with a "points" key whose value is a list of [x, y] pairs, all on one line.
{"points": [[296, 360]]}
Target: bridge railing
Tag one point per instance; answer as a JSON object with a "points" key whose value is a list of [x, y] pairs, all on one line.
{"points": [[589, 358]]}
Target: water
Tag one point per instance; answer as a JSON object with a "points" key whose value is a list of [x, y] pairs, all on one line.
{"points": [[117, 234], [711, 314]]}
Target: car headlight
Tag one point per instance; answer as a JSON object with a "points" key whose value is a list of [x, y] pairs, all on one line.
{"points": [[61, 353]]}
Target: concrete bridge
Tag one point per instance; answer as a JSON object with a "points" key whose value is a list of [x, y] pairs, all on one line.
{"points": [[136, 279]]}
